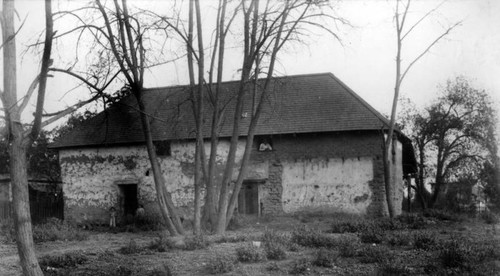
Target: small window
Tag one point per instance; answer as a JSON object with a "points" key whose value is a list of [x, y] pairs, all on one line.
{"points": [[162, 148], [264, 144]]}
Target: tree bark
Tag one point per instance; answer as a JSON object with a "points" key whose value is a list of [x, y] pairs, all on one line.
{"points": [[167, 207], [21, 206], [17, 148]]}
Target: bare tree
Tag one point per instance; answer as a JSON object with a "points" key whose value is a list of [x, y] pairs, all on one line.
{"points": [[402, 32], [19, 136], [267, 28], [120, 38]]}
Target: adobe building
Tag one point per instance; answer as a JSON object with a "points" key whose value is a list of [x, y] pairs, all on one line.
{"points": [[318, 146]]}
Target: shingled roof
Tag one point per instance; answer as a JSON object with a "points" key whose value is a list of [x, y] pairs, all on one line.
{"points": [[296, 104]]}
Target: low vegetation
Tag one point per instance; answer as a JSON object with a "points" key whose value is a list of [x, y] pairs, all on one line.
{"points": [[435, 243]]}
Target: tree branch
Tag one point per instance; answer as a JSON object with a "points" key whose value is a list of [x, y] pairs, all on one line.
{"points": [[29, 93], [428, 48]]}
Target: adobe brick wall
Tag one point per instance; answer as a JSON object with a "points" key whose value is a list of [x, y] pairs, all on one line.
{"points": [[330, 149], [92, 176]]}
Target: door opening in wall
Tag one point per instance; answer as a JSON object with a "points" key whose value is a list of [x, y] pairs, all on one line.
{"points": [[248, 198], [129, 202]]}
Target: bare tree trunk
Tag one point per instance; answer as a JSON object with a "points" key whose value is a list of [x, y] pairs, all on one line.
{"points": [[167, 207], [198, 99], [18, 146], [21, 206], [388, 179]]}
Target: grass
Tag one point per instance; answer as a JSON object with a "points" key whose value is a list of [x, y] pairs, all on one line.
{"points": [[443, 247], [57, 230]]}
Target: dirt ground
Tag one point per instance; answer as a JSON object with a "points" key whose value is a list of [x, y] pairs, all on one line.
{"points": [[183, 262]]}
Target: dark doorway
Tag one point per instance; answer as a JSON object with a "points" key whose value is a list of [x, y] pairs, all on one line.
{"points": [[248, 198], [129, 199]]}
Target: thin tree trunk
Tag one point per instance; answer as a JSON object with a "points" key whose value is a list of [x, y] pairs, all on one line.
{"points": [[388, 179], [200, 147], [167, 207]]}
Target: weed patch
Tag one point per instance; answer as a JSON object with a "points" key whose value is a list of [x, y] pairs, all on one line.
{"points": [[348, 246], [325, 258], [55, 229], [249, 254], [400, 238], [300, 266], [220, 264], [312, 238], [231, 239], [348, 226], [424, 240], [196, 242], [372, 234], [275, 251], [375, 254], [130, 248], [442, 215]]}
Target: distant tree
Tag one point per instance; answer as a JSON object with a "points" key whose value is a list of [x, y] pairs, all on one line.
{"points": [[490, 175], [455, 140]]}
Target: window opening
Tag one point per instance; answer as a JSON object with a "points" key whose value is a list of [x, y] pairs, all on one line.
{"points": [[264, 144], [162, 148]]}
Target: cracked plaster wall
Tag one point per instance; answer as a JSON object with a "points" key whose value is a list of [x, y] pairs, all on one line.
{"points": [[92, 176], [341, 172]]}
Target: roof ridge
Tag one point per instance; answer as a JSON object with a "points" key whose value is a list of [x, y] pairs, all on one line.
{"points": [[235, 81]]}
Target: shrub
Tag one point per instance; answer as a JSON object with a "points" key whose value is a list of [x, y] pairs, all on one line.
{"points": [[375, 254], [489, 217], [249, 254], [300, 266], [325, 257], [372, 234], [196, 242], [424, 240], [56, 229], [275, 250], [399, 239], [130, 248], [62, 261], [221, 264], [312, 238]]}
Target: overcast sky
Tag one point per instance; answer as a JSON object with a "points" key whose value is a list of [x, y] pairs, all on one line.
{"points": [[364, 61]]}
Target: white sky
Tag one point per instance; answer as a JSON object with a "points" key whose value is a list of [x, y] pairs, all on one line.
{"points": [[365, 62]]}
